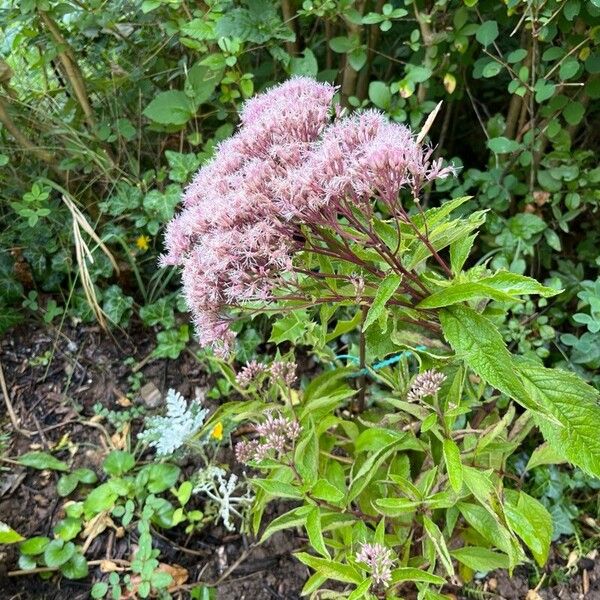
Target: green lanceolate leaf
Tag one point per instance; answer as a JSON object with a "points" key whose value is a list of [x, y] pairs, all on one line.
{"points": [[278, 489], [315, 531], [396, 507], [330, 569], [293, 518], [517, 285], [488, 526], [42, 460], [306, 456], [503, 287], [459, 252], [461, 292], [437, 539], [453, 464], [530, 520], [480, 559], [545, 455], [324, 490], [385, 291], [416, 575], [574, 404]]}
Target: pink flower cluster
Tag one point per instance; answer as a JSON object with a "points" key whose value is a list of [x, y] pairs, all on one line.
{"points": [[249, 372], [279, 369], [277, 434], [380, 561], [287, 165], [425, 384]]}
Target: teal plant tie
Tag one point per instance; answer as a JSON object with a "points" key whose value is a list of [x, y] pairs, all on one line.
{"points": [[379, 364]]}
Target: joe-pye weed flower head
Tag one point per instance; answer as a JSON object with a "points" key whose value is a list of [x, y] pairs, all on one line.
{"points": [[287, 166], [379, 560]]}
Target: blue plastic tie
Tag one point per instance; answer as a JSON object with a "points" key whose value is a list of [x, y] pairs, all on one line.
{"points": [[379, 364]]}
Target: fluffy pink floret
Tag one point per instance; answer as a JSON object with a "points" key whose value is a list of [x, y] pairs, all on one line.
{"points": [[286, 165]]}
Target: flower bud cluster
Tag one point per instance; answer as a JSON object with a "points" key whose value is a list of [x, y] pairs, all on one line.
{"points": [[276, 435]]}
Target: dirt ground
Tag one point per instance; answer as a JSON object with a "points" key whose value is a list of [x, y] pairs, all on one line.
{"points": [[55, 379]]}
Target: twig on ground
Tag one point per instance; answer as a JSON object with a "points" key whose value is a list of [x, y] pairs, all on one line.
{"points": [[9, 407]]}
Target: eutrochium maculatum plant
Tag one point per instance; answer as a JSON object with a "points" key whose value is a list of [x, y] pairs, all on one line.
{"points": [[307, 211]]}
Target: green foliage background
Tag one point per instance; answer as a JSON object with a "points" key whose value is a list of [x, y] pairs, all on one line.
{"points": [[115, 105]]}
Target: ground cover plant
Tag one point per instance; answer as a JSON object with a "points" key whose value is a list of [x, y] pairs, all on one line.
{"points": [[388, 329]]}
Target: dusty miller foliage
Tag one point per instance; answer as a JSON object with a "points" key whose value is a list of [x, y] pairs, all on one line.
{"points": [[171, 432]]}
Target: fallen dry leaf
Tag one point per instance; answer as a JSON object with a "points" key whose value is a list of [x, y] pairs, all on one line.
{"points": [[178, 573], [573, 558], [94, 527], [119, 439], [108, 566]]}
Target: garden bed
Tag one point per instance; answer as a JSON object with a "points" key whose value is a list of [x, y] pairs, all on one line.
{"points": [[56, 378]]}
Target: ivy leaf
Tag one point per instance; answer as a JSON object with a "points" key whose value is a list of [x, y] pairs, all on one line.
{"points": [[386, 290], [159, 313], [380, 95], [502, 145], [487, 33], [170, 108], [161, 205], [573, 404], [290, 328], [171, 342], [306, 65], [116, 305]]}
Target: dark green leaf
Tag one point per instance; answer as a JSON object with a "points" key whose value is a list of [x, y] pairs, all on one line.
{"points": [[487, 33]]}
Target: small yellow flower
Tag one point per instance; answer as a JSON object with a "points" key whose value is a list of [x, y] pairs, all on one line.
{"points": [[217, 431], [142, 242]]}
